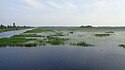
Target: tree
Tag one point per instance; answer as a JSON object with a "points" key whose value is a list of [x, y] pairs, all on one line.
{"points": [[2, 26], [14, 24], [88, 26]]}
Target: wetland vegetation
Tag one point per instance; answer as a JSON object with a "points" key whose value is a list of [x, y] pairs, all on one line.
{"points": [[57, 36]]}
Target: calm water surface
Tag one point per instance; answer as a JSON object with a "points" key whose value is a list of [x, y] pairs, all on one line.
{"points": [[62, 58]]}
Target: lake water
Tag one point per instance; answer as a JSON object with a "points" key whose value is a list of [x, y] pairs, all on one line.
{"points": [[61, 58], [105, 55]]}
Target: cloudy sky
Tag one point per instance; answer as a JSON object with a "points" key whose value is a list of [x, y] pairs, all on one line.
{"points": [[63, 12]]}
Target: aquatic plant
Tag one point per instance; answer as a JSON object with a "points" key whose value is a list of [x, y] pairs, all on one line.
{"points": [[56, 40], [81, 44], [71, 32], [102, 35], [58, 34], [30, 45], [28, 35], [14, 41], [122, 45], [110, 32]]}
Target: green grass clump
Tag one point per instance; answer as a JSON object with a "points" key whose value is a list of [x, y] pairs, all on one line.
{"points": [[71, 32], [28, 35], [102, 35], [122, 45], [82, 44], [13, 41], [56, 40], [42, 42]]}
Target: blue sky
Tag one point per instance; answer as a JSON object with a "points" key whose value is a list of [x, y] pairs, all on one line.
{"points": [[63, 12]]}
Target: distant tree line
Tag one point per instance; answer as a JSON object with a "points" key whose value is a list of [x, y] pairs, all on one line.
{"points": [[10, 26], [88, 26]]}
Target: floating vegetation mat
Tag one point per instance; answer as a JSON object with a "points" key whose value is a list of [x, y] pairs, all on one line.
{"points": [[84, 44]]}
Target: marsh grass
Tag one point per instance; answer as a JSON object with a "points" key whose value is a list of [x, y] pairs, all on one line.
{"points": [[56, 40], [22, 40], [28, 35], [81, 44], [13, 41], [71, 32], [58, 34], [102, 35]]}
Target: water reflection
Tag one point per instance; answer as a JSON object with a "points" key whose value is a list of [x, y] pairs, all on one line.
{"points": [[60, 58]]}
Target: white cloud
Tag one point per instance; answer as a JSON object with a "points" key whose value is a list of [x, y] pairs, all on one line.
{"points": [[54, 4], [105, 7], [66, 5], [35, 4]]}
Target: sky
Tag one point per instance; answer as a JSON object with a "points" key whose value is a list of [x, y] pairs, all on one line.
{"points": [[63, 12]]}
